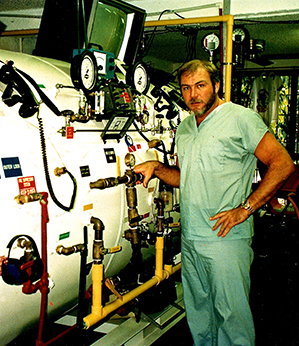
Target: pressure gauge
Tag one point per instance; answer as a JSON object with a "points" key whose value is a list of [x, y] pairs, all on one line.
{"points": [[84, 71], [239, 34], [130, 160], [211, 42], [138, 77]]}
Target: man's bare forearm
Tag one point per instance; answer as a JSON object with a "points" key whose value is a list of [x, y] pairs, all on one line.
{"points": [[280, 167], [168, 174], [274, 178]]}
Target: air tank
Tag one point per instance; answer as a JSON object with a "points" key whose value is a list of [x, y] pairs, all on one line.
{"points": [[26, 144]]}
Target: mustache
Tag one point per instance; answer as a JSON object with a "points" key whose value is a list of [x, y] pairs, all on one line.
{"points": [[195, 101]]}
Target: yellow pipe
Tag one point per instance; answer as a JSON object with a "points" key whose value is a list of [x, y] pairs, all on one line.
{"points": [[97, 307], [20, 32], [159, 257], [101, 312], [117, 166], [229, 20], [168, 269]]}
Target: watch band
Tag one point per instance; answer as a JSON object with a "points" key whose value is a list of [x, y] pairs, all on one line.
{"points": [[245, 205]]}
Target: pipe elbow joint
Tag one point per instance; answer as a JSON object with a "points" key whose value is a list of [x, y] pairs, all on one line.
{"points": [[93, 318], [98, 225], [61, 250]]}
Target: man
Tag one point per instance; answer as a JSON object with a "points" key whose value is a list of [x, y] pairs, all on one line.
{"points": [[218, 146]]}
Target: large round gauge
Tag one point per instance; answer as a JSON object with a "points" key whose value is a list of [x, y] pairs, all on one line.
{"points": [[210, 42], [239, 34], [138, 77], [84, 71]]}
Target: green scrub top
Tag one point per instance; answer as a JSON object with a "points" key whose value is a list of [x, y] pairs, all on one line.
{"points": [[217, 165]]}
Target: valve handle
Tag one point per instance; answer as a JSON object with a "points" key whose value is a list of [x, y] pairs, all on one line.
{"points": [[115, 249]]}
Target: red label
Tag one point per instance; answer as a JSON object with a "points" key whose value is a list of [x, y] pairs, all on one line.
{"points": [[69, 132], [132, 148], [26, 185], [126, 97]]}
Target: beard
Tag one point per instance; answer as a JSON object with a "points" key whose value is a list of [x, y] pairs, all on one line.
{"points": [[207, 105]]}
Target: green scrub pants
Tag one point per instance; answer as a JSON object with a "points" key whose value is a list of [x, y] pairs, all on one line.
{"points": [[216, 286]]}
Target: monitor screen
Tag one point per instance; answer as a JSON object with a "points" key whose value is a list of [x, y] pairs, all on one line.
{"points": [[117, 28], [108, 28]]}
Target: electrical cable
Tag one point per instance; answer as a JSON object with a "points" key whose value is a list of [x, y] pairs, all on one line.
{"points": [[42, 95], [151, 39], [163, 150], [190, 49], [47, 174]]}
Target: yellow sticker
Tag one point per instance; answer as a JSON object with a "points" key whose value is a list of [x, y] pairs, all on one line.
{"points": [[87, 207]]}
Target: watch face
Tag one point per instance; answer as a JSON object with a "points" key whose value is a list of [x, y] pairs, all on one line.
{"points": [[211, 42], [238, 35], [88, 72]]}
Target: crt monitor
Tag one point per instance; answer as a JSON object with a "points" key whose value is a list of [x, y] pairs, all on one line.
{"points": [[116, 27], [62, 30]]}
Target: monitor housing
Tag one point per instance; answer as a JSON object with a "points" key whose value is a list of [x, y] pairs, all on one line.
{"points": [[113, 26]]}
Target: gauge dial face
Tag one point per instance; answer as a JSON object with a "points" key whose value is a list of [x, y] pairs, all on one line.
{"points": [[88, 72], [84, 71], [140, 78], [130, 160], [239, 35], [211, 42]]}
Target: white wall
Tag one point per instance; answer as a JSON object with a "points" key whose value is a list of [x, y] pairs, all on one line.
{"points": [[242, 8], [21, 20], [202, 8], [192, 8]]}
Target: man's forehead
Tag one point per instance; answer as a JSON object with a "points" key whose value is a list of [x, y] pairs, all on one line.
{"points": [[200, 75]]}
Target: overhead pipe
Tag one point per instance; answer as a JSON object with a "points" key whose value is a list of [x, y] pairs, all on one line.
{"points": [[228, 19]]}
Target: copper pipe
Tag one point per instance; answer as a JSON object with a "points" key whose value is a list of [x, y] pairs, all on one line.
{"points": [[61, 250], [22, 242], [22, 199]]}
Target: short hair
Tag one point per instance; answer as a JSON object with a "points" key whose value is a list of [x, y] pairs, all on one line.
{"points": [[193, 65]]}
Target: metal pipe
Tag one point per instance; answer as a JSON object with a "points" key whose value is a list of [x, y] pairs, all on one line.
{"points": [[61, 250], [104, 183], [98, 243], [97, 226], [44, 289], [160, 206], [22, 242], [229, 20], [22, 199]]}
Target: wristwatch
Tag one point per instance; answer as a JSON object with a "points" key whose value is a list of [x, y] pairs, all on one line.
{"points": [[245, 205]]}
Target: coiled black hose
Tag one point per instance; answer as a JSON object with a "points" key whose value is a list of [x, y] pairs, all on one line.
{"points": [[47, 174]]}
